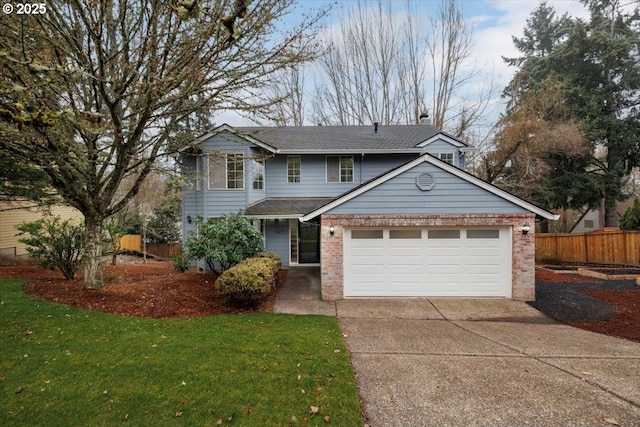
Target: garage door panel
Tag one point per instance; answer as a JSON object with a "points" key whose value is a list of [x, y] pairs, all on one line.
{"points": [[368, 251], [406, 286], [453, 251], [429, 262]]}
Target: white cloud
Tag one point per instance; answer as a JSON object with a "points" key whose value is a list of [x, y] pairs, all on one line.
{"points": [[493, 41]]}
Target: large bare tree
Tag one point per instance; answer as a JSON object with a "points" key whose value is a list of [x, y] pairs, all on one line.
{"points": [[95, 91], [389, 66], [287, 91]]}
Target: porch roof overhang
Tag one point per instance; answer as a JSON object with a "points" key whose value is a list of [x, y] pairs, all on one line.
{"points": [[285, 207]]}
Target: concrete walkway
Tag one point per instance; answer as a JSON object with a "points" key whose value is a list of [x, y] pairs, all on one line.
{"points": [[300, 293], [480, 362]]}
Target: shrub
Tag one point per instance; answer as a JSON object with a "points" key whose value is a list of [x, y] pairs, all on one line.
{"points": [[630, 219], [226, 241], [274, 257], [54, 243], [249, 282], [180, 263]]}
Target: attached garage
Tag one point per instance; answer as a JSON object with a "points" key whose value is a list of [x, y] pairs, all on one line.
{"points": [[427, 262], [427, 229]]}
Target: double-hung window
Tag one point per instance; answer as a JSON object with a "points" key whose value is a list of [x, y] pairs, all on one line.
{"points": [[339, 168], [293, 169], [258, 174], [226, 172]]}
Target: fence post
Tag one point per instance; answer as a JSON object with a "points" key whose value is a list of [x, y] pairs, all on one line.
{"points": [[586, 247]]}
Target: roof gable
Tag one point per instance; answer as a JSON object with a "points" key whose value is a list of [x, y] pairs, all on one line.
{"points": [[230, 129], [443, 137], [375, 182]]}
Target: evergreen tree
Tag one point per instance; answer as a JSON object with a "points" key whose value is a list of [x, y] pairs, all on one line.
{"points": [[592, 69], [600, 63]]}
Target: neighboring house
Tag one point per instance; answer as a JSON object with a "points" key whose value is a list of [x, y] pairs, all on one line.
{"points": [[12, 214], [593, 219], [385, 212]]}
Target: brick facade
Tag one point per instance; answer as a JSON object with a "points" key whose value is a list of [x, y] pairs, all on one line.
{"points": [[522, 250]]}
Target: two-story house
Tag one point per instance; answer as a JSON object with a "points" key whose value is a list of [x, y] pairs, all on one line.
{"points": [[384, 210]]}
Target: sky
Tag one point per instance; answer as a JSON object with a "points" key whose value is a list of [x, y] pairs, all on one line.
{"points": [[494, 23]]}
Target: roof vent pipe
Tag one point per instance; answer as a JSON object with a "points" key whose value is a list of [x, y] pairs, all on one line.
{"points": [[375, 127]]}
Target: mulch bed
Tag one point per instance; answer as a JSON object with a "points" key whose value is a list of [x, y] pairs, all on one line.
{"points": [[152, 289], [616, 271], [155, 290], [610, 307]]}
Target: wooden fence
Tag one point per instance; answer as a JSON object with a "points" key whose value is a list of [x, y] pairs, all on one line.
{"points": [[600, 247], [133, 242], [164, 250]]}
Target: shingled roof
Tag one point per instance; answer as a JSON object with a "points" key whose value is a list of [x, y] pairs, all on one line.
{"points": [[337, 139], [283, 207]]}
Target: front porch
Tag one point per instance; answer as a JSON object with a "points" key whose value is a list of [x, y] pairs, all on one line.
{"points": [[296, 242]]}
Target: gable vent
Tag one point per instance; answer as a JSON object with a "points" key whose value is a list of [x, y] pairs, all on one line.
{"points": [[425, 181]]}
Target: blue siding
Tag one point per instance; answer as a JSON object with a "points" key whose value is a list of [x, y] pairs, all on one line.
{"points": [[222, 202], [277, 238], [313, 179], [254, 195], [440, 146], [376, 164], [451, 195], [192, 198]]}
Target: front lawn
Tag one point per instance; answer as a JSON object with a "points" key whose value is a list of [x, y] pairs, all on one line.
{"points": [[65, 366]]}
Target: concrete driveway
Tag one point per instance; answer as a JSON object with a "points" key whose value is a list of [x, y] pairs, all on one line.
{"points": [[480, 362]]}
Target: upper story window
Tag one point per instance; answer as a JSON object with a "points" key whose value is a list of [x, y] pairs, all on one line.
{"points": [[293, 169], [226, 171], [257, 166], [447, 157], [339, 168]]}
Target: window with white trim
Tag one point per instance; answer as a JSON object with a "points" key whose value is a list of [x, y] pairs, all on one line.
{"points": [[293, 169], [446, 157], [226, 172], [257, 167], [339, 168]]}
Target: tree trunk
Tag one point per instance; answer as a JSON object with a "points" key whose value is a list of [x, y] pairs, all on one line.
{"points": [[92, 253], [613, 183], [610, 214], [544, 226]]}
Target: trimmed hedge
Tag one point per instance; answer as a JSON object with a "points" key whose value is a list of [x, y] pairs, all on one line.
{"points": [[273, 257], [247, 283]]}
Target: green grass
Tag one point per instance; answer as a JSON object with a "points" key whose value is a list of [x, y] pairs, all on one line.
{"points": [[65, 366]]}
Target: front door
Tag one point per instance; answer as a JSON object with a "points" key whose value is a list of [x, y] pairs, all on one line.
{"points": [[309, 243]]}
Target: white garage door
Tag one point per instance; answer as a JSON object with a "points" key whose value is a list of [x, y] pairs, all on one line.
{"points": [[459, 262]]}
